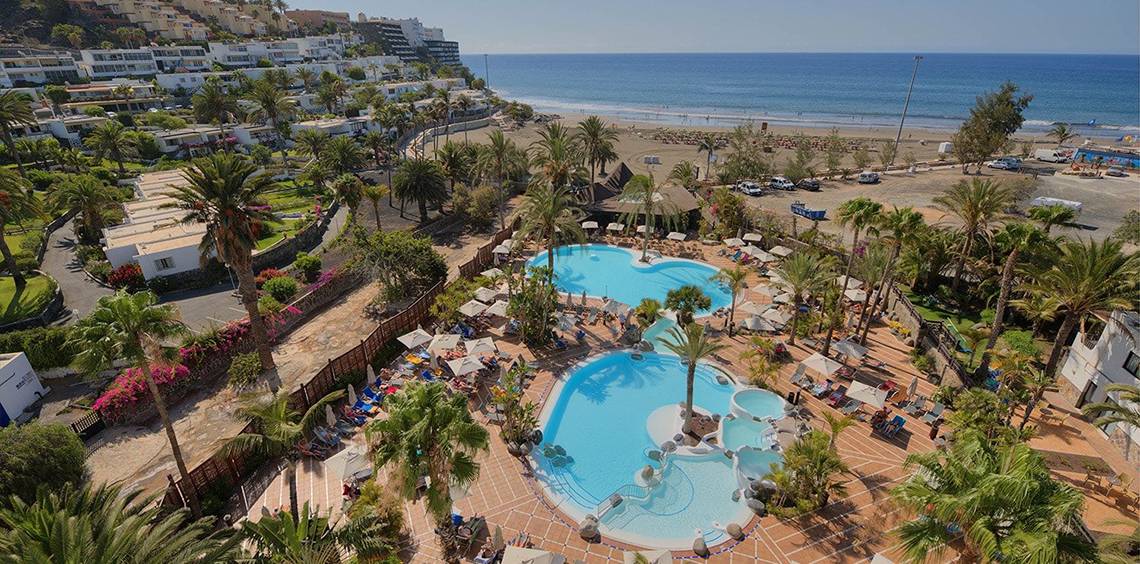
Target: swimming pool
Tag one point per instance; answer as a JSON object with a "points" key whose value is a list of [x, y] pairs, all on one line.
{"points": [[613, 272], [603, 426]]}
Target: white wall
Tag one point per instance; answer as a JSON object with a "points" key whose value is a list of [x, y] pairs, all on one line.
{"points": [[19, 385], [185, 258]]}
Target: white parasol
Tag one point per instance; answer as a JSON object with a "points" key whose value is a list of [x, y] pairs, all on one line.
{"points": [[753, 308], [414, 339], [753, 237], [867, 394], [850, 349], [491, 273], [641, 229], [615, 307], [757, 323], [751, 250], [676, 236], [330, 417], [566, 321], [501, 250], [351, 395], [465, 365], [371, 372], [589, 225], [485, 345], [781, 251], [766, 290], [784, 298], [497, 309], [486, 295], [444, 342], [851, 282], [350, 463], [519, 555], [734, 242], [472, 308], [777, 317], [855, 295], [615, 227], [821, 364]]}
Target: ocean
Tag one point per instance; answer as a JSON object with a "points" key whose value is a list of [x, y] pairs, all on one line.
{"points": [[1100, 94]]}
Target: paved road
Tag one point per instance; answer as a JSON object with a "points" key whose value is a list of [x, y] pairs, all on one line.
{"points": [[79, 292]]}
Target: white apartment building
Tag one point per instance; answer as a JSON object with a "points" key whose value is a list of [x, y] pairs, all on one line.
{"points": [[140, 96], [69, 130], [20, 388], [157, 17], [1095, 362], [338, 125], [30, 67], [194, 140], [152, 236], [322, 47], [249, 53], [250, 134], [100, 64], [181, 58]]}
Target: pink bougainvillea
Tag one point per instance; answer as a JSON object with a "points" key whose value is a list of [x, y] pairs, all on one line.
{"points": [[129, 392]]}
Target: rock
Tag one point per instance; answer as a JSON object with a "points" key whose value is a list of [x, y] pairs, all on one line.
{"points": [[668, 446], [647, 472], [716, 418], [536, 436], [559, 450], [700, 547], [678, 438], [654, 455], [588, 529], [757, 507], [735, 495], [734, 531], [514, 449], [720, 379]]}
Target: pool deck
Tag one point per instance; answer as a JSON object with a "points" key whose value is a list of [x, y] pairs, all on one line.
{"points": [[849, 529]]}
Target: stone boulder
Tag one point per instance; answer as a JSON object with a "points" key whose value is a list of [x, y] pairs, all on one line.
{"points": [[700, 548], [734, 531]]}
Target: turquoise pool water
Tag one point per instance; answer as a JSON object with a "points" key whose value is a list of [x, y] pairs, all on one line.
{"points": [[608, 271], [741, 432], [756, 463], [760, 403], [599, 421], [660, 328]]}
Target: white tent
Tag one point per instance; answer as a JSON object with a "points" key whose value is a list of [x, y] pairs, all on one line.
{"points": [[519, 555], [777, 317], [867, 394], [821, 364], [753, 308], [497, 309], [492, 273], [486, 295], [615, 227], [589, 225], [352, 462], [472, 308], [734, 242], [486, 345], [851, 282], [849, 348], [757, 323], [650, 556], [501, 250], [465, 365], [766, 290], [641, 229], [676, 236], [781, 251], [444, 342], [754, 237], [855, 295], [415, 338], [784, 298]]}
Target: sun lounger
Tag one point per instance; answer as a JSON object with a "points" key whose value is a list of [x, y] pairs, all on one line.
{"points": [[851, 407], [799, 376], [821, 390], [934, 413], [894, 426], [837, 396], [915, 406]]}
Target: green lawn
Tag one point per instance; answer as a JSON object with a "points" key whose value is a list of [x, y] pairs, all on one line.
{"points": [[282, 229], [291, 197], [29, 302]]}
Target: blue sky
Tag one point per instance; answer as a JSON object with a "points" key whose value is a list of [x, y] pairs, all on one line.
{"points": [[611, 26]]}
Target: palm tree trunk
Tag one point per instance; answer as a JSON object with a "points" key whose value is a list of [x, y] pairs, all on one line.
{"points": [[967, 246], [687, 426], [12, 150], [376, 212], [10, 261], [795, 319], [291, 479], [247, 287], [885, 283], [732, 314], [842, 291], [423, 210], [708, 164], [175, 450], [999, 313], [1063, 335]]}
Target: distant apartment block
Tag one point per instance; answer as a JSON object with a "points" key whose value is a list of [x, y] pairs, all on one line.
{"points": [[157, 18], [318, 18], [69, 130], [100, 64], [408, 38], [32, 67], [248, 19], [181, 58], [118, 95]]}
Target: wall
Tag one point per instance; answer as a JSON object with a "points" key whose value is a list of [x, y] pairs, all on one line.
{"points": [[50, 313], [19, 388]]}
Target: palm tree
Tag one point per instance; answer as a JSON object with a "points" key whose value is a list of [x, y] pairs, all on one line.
{"points": [[1048, 216], [1062, 133], [597, 139], [16, 205], [871, 270], [316, 173], [1014, 238], [557, 157], [422, 181], [374, 193], [693, 346], [836, 424], [272, 106], [225, 193], [859, 214], [428, 432], [342, 155], [976, 204], [645, 197], [811, 466], [311, 142], [348, 190], [685, 174], [997, 497], [135, 329], [86, 195], [550, 215], [686, 301], [15, 112], [735, 279], [105, 525], [111, 140], [277, 428], [212, 104], [898, 227], [1087, 277], [1038, 307], [1118, 548], [708, 145], [647, 312], [380, 145], [463, 103], [498, 158], [455, 161], [307, 77], [803, 274], [311, 537]]}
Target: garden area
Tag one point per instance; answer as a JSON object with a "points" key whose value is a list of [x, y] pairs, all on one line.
{"points": [[22, 303]]}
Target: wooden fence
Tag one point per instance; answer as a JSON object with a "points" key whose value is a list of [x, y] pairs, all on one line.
{"points": [[231, 470]]}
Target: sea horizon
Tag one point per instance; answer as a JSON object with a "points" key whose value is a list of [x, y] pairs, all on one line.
{"points": [[821, 89]]}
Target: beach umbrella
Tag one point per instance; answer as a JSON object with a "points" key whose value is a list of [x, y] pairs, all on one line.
{"points": [[330, 417], [589, 225], [763, 256], [465, 365], [775, 278], [880, 559], [781, 251], [352, 462], [867, 394], [444, 342], [492, 273], [486, 295], [821, 364], [777, 317], [520, 555], [757, 323], [851, 282], [766, 290], [676, 236], [566, 321], [855, 295], [351, 395], [753, 237], [648, 556], [501, 250], [485, 345], [753, 308], [912, 389], [641, 229], [472, 308], [615, 307], [784, 298], [583, 298], [734, 242], [497, 541], [371, 372], [497, 309], [751, 250], [414, 339], [615, 227], [850, 349]]}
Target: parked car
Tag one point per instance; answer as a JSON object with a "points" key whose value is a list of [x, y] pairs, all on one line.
{"points": [[809, 184], [781, 183], [1005, 163], [749, 188], [1115, 171], [868, 177], [1050, 156]]}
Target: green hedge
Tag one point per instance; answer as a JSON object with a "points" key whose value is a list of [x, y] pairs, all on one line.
{"points": [[45, 346]]}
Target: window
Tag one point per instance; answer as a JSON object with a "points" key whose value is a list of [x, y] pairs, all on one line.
{"points": [[1132, 364], [164, 264]]}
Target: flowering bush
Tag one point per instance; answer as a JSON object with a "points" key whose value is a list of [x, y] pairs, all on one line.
{"points": [[129, 393], [325, 277], [128, 276], [269, 274]]}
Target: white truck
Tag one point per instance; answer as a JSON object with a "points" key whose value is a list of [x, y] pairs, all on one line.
{"points": [[1044, 202], [1050, 156]]}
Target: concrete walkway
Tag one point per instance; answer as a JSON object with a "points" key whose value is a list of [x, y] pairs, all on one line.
{"points": [[79, 292]]}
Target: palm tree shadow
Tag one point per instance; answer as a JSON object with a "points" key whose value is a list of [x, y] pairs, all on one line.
{"points": [[13, 306]]}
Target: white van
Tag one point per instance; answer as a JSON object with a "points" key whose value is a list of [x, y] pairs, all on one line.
{"points": [[868, 177], [1050, 156]]}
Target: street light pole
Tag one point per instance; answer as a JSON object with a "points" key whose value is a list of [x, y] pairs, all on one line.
{"points": [[906, 104], [486, 72]]}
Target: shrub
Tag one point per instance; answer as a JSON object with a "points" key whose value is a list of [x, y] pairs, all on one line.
{"points": [[355, 73], [268, 274], [46, 347], [100, 269], [308, 265], [41, 179], [1021, 341], [282, 288], [482, 207], [244, 369], [95, 111], [128, 276], [267, 305], [26, 263], [39, 454], [128, 393]]}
